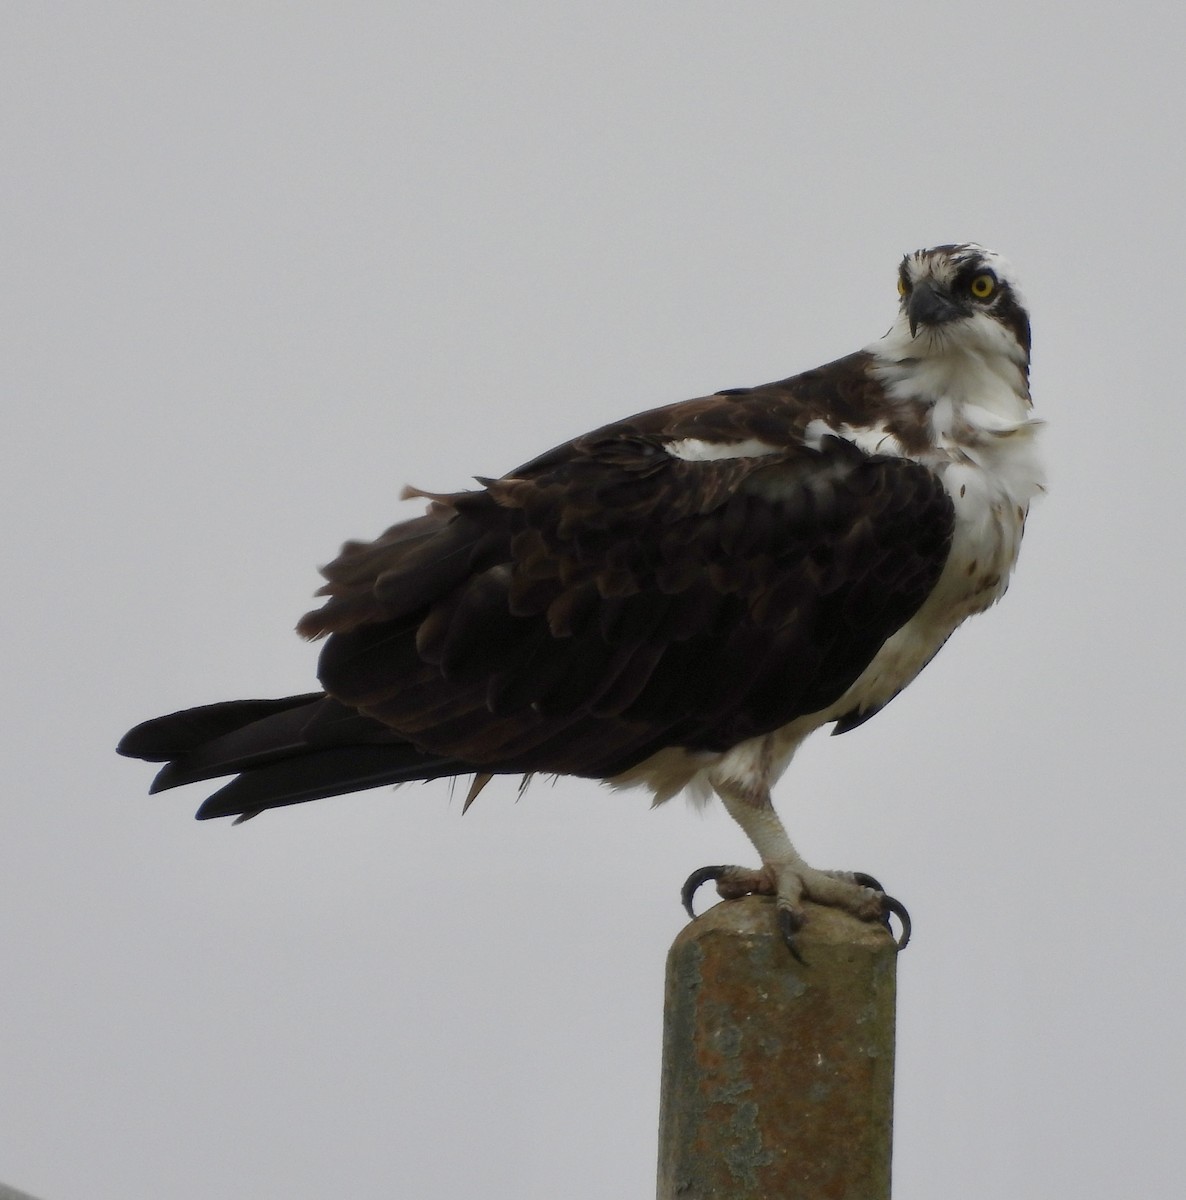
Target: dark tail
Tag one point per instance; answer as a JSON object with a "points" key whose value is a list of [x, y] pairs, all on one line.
{"points": [[283, 752]]}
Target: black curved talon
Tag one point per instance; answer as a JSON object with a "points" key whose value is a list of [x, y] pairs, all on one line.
{"points": [[693, 883], [890, 905], [789, 924]]}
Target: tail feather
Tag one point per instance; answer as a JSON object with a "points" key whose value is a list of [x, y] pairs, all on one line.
{"points": [[178, 733], [283, 751], [325, 773]]}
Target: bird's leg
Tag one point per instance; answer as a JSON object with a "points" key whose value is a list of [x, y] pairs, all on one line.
{"points": [[785, 875]]}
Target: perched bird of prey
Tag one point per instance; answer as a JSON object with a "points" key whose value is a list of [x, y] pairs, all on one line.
{"points": [[674, 601]]}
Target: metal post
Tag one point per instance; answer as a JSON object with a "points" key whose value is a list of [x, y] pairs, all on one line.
{"points": [[777, 1076]]}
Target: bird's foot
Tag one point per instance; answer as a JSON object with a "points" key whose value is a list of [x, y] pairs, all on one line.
{"points": [[791, 884]]}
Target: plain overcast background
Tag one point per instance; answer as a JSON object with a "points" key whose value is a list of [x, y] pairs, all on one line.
{"points": [[265, 263]]}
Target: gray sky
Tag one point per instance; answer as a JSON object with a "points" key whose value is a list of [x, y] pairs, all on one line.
{"points": [[265, 263]]}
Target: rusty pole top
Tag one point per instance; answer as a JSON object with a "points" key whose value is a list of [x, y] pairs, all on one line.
{"points": [[777, 1075]]}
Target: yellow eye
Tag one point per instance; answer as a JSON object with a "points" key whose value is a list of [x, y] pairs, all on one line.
{"points": [[902, 288], [983, 286]]}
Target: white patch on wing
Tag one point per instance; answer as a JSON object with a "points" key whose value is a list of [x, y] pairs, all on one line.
{"points": [[698, 450], [872, 439]]}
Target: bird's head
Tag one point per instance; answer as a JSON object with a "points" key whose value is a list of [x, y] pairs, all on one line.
{"points": [[960, 298]]}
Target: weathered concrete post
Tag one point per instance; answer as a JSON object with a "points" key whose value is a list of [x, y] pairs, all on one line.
{"points": [[778, 1077]]}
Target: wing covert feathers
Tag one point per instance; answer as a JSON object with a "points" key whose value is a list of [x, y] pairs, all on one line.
{"points": [[609, 598]]}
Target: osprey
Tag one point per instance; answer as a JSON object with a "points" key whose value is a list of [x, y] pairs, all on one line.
{"points": [[674, 601]]}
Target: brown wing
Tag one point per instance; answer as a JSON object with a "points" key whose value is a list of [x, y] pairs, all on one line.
{"points": [[609, 599]]}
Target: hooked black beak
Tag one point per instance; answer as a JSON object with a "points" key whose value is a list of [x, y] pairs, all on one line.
{"points": [[929, 306]]}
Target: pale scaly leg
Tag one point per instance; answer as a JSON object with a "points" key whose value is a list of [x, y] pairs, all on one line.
{"points": [[786, 876]]}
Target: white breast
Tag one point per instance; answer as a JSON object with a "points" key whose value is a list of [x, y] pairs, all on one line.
{"points": [[984, 450]]}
